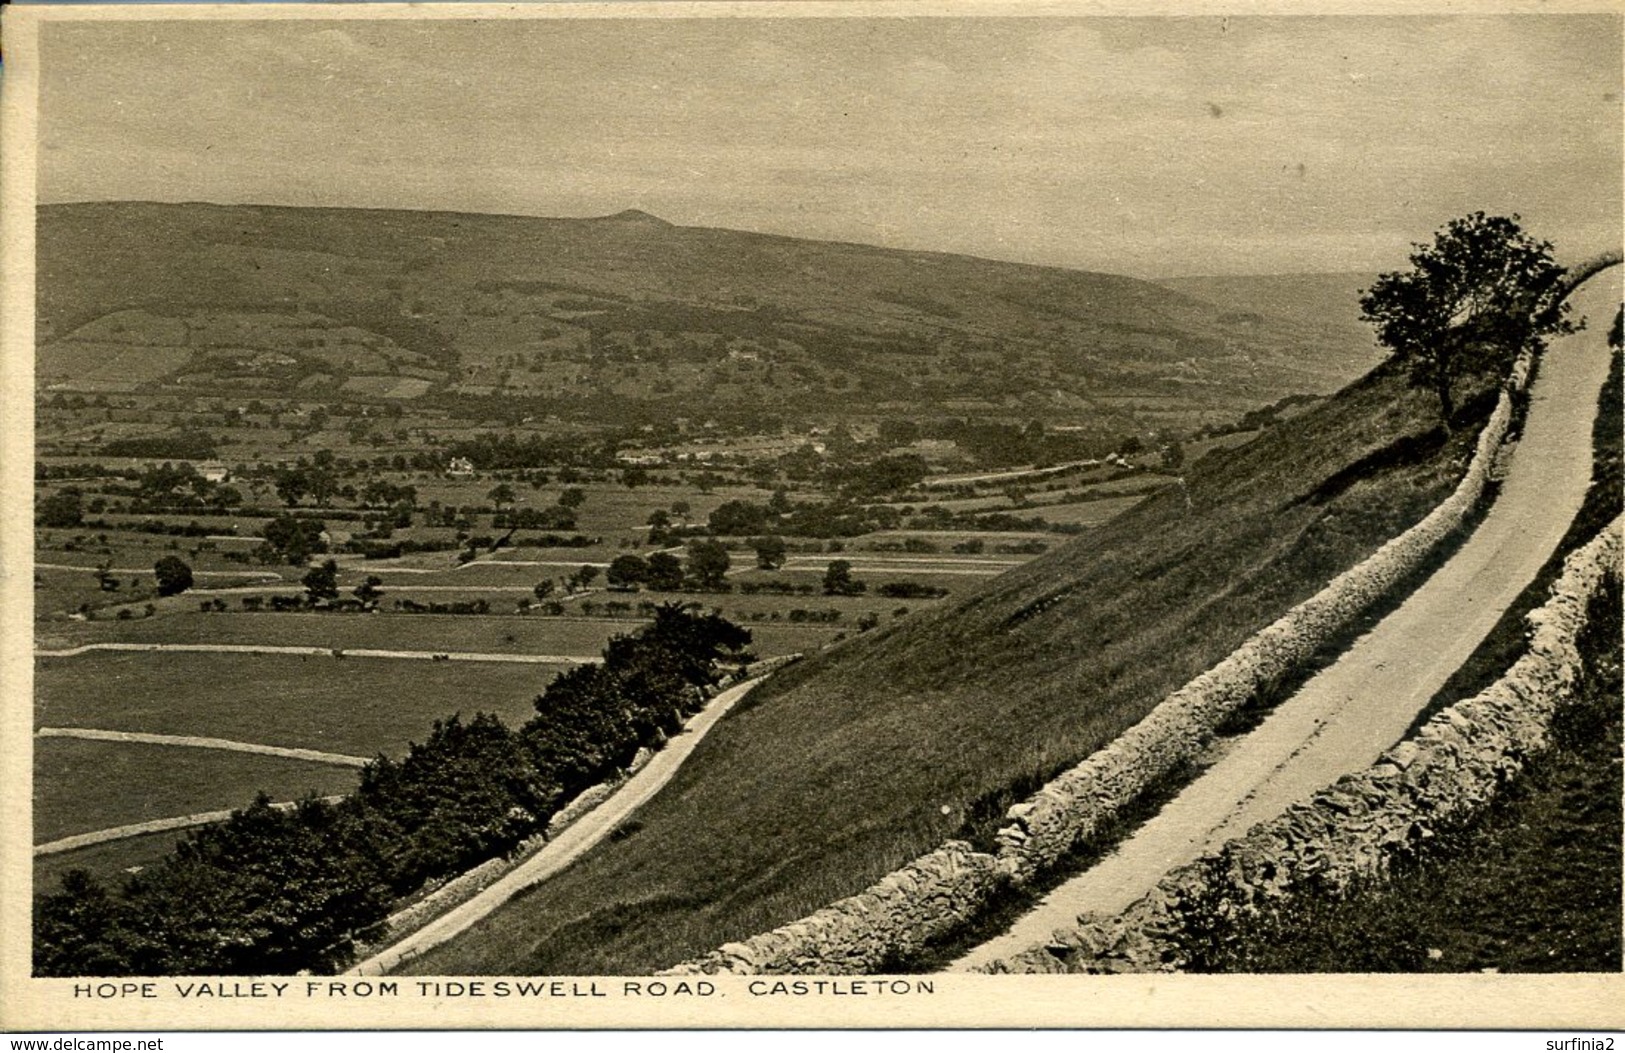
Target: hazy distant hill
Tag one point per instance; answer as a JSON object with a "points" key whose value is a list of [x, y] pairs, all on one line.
{"points": [[632, 313], [1330, 302]]}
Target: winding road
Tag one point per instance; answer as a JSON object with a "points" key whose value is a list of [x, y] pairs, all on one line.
{"points": [[1347, 715], [569, 845]]}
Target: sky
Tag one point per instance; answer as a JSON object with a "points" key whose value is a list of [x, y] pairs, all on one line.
{"points": [[1149, 146]]}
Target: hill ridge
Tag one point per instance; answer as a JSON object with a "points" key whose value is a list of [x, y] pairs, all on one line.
{"points": [[630, 314]]}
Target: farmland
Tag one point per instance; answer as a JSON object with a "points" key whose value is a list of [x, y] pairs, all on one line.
{"points": [[135, 782], [356, 707], [94, 587], [950, 715], [505, 470]]}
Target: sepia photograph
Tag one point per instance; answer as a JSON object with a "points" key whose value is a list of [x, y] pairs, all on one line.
{"points": [[819, 514]]}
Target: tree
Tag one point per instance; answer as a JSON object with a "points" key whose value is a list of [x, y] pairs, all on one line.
{"points": [[665, 572], [369, 591], [173, 575], [708, 563], [80, 930], [627, 572], [1474, 300], [291, 485], [738, 518], [62, 509], [573, 497], [770, 552], [501, 494], [838, 580], [583, 577], [294, 539], [322, 583]]}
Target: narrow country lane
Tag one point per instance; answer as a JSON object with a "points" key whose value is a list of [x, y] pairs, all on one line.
{"points": [[1348, 714], [570, 845]]}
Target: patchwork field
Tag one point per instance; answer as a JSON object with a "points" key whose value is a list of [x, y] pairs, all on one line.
{"points": [[80, 786], [108, 861], [351, 706], [406, 632]]}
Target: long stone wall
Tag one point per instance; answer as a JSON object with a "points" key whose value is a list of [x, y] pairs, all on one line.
{"points": [[1354, 830], [1074, 804], [901, 913]]}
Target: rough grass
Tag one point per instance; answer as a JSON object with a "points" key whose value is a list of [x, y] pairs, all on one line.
{"points": [[484, 634], [358, 706], [80, 785], [860, 759]]}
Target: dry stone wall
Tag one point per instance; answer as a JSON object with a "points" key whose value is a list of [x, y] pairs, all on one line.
{"points": [[931, 896], [1354, 830], [897, 915], [1074, 804]]}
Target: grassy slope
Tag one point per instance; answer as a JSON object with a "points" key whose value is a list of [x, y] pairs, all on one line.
{"points": [[108, 861], [1330, 301], [854, 762]]}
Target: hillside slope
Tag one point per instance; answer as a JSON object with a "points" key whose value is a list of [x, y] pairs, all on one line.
{"points": [[859, 759], [631, 313]]}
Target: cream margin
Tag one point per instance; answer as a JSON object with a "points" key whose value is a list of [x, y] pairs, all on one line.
{"points": [[1570, 1002]]}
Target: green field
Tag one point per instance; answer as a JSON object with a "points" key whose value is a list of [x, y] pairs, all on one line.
{"points": [[1085, 513], [511, 634], [80, 785], [358, 706], [489, 634], [109, 861]]}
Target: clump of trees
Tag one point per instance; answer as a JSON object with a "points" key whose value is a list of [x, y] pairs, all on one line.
{"points": [[278, 890], [63, 509], [172, 575], [180, 445], [292, 539], [1480, 295], [838, 580]]}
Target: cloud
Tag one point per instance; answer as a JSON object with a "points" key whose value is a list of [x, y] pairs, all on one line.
{"points": [[1054, 140]]}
